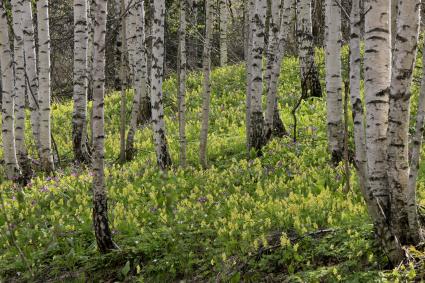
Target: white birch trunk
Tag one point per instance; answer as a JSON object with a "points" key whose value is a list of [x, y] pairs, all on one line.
{"points": [[206, 66], [100, 208], [20, 89], [334, 80], [181, 69], [46, 156], [31, 70], [257, 51], [157, 73], [404, 59], [123, 50], [250, 7], [79, 123], [223, 32], [8, 97]]}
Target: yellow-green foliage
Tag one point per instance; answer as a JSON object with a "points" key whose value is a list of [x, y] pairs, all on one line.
{"points": [[193, 223]]}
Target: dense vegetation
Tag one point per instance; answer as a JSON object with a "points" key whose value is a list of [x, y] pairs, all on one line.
{"points": [[282, 217]]}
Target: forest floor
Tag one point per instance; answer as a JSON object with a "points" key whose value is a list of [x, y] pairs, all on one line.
{"points": [[284, 217]]}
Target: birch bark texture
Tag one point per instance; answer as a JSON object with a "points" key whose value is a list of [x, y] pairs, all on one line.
{"points": [[79, 117], [355, 96], [250, 7], [122, 51], [20, 88], [31, 75], [404, 58], [333, 80], [157, 73], [206, 96], [46, 156], [256, 79], [223, 31], [8, 96], [100, 206], [308, 67], [181, 69]]}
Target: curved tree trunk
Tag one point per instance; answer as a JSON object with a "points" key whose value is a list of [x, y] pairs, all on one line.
{"points": [[308, 68], [157, 73], [8, 97], [100, 207], [20, 87], [79, 123], [257, 52], [181, 69], [31, 70], [209, 8], [334, 80], [46, 156], [404, 58], [355, 97]]}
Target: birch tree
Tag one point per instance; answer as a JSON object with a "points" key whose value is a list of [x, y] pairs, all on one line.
{"points": [[333, 79], [31, 70], [308, 67], [20, 89], [122, 50], [141, 102], [256, 79], [46, 156], [404, 56], [8, 97], [223, 32], [206, 66], [355, 97], [161, 145], [181, 69], [100, 206], [250, 7], [79, 123]]}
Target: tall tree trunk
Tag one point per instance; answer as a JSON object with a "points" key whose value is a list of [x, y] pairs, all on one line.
{"points": [[100, 207], [334, 80], [223, 32], [161, 145], [250, 7], [79, 123], [181, 69], [20, 88], [377, 66], [404, 58], [31, 70], [209, 9], [394, 9], [46, 156], [141, 103], [308, 68], [257, 50], [90, 51], [123, 67], [355, 97], [8, 97]]}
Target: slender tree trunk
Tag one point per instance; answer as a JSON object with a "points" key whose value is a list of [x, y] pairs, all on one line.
{"points": [[377, 68], [181, 69], [161, 145], [90, 51], [415, 150], [355, 97], [394, 9], [123, 69], [308, 68], [250, 7], [46, 157], [404, 58], [8, 97], [100, 207], [31, 70], [79, 123], [334, 80], [257, 50], [141, 102], [223, 32], [209, 9], [20, 88]]}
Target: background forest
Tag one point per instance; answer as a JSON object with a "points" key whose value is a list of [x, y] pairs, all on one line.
{"points": [[216, 140]]}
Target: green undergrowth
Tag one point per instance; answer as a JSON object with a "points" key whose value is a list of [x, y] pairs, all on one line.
{"points": [[284, 217]]}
